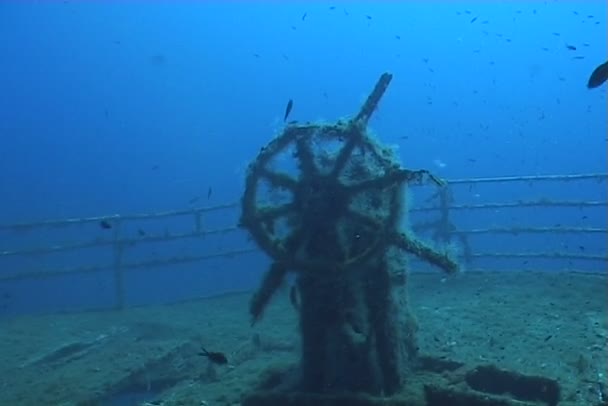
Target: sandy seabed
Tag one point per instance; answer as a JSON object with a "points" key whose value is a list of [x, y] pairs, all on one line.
{"points": [[534, 323]]}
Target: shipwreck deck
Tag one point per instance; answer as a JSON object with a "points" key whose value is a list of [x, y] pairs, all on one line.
{"points": [[551, 325]]}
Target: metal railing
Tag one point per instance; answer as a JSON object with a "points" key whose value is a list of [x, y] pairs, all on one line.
{"points": [[441, 228]]}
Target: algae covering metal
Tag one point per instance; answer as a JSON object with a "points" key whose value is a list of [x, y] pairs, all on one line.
{"points": [[325, 202]]}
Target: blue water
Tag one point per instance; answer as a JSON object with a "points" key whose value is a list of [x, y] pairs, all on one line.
{"points": [[112, 108]]}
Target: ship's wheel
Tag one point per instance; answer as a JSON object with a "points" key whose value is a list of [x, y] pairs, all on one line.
{"points": [[326, 197], [335, 205]]}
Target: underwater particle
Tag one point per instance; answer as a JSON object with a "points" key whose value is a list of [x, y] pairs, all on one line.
{"points": [[105, 224], [141, 232], [215, 357], [158, 59], [288, 109], [598, 76]]}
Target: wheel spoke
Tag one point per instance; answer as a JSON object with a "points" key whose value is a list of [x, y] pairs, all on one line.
{"points": [[272, 213], [344, 155], [280, 180], [424, 252], [306, 158]]}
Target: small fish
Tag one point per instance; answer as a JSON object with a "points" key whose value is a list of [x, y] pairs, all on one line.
{"points": [[439, 163], [304, 16], [141, 232], [599, 76], [215, 357], [288, 109], [105, 224], [473, 20], [570, 47], [209, 192]]}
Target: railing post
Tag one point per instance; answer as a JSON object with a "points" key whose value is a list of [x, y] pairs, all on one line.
{"points": [[444, 232], [118, 248]]}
